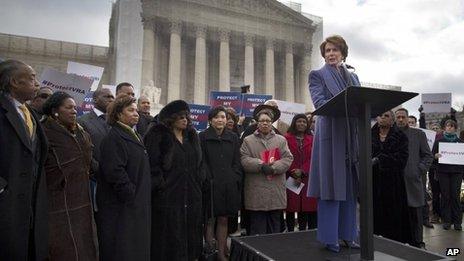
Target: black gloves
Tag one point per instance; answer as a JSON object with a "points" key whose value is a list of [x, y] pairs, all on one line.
{"points": [[267, 169]]}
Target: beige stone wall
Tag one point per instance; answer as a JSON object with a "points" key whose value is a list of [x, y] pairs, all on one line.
{"points": [[41, 53]]}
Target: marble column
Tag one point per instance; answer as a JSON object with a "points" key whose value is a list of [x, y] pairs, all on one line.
{"points": [[249, 75], [289, 78], [224, 61], [174, 61], [269, 69], [148, 52], [304, 74], [199, 92]]}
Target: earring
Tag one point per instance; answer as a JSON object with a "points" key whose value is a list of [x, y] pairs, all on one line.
{"points": [[56, 114]]}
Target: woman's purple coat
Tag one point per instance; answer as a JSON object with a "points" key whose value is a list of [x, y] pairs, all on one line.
{"points": [[329, 156]]}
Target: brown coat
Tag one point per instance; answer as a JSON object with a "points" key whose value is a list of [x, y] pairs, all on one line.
{"points": [[260, 193], [71, 226]]}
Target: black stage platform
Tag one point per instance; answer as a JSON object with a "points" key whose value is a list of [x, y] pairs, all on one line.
{"points": [[304, 246]]}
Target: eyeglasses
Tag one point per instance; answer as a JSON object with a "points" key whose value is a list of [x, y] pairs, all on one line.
{"points": [[44, 95], [264, 121], [386, 115]]}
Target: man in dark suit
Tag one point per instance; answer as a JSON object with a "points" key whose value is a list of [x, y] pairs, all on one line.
{"points": [[143, 108], [419, 160], [23, 150], [95, 124]]}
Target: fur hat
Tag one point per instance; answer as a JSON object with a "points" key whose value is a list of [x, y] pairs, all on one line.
{"points": [[275, 111], [171, 108]]}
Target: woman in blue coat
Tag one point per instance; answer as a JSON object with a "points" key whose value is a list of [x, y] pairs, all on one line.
{"points": [[333, 174]]}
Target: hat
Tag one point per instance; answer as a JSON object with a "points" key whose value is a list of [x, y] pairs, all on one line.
{"points": [[245, 88], [173, 107], [273, 109]]}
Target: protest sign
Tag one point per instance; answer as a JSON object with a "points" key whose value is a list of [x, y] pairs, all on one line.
{"points": [[251, 101], [451, 153], [74, 85], [430, 136], [226, 99], [436, 102], [89, 71], [199, 116], [289, 109], [87, 104]]}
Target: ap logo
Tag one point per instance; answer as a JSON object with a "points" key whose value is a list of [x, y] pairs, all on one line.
{"points": [[452, 251]]}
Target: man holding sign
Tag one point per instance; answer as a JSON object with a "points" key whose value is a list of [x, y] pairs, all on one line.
{"points": [[449, 161]]}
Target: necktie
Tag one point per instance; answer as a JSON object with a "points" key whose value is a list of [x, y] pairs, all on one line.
{"points": [[27, 118]]}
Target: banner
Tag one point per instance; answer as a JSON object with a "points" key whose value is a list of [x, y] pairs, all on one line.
{"points": [[87, 105], [451, 153], [250, 102], [89, 71], [289, 109], [75, 85], [226, 99], [430, 136], [436, 102], [199, 116]]}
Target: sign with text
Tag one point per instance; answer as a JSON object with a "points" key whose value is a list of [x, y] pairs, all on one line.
{"points": [[251, 101], [451, 153], [199, 116], [430, 136], [75, 85], [89, 71], [226, 99], [288, 110], [87, 105], [436, 102]]}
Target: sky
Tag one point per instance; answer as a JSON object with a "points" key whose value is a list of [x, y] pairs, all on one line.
{"points": [[416, 44]]}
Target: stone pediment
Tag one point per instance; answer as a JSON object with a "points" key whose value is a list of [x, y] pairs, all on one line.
{"points": [[261, 9]]}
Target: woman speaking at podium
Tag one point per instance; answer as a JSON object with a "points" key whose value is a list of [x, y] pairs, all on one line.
{"points": [[333, 174]]}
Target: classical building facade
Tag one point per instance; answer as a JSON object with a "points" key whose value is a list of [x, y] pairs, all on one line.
{"points": [[187, 48], [191, 47]]}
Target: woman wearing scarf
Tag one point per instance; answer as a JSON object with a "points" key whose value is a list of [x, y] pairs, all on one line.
{"points": [[124, 187], [333, 175], [71, 228], [450, 178]]}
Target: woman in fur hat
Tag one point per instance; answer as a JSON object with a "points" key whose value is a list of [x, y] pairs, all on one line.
{"points": [[177, 181]]}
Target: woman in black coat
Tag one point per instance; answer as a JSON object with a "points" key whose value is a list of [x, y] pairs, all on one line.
{"points": [[178, 177], [450, 178], [221, 153], [389, 157], [124, 187]]}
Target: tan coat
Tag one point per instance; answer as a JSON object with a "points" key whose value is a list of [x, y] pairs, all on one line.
{"points": [[260, 193]]}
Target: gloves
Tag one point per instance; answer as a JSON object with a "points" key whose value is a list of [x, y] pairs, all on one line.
{"points": [[375, 161], [267, 169]]}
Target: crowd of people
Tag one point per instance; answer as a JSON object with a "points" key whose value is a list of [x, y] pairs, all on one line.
{"points": [[120, 184]]}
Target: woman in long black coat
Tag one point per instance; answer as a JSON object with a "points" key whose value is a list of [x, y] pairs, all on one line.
{"points": [[389, 157], [178, 178], [124, 188], [221, 153]]}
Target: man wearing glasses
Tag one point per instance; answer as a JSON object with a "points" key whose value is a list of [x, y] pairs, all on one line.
{"points": [[42, 95]]}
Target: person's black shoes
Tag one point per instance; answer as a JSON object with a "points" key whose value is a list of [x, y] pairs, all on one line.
{"points": [[446, 226], [458, 227], [428, 224]]}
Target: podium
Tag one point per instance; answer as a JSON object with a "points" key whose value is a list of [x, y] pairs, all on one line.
{"points": [[362, 104]]}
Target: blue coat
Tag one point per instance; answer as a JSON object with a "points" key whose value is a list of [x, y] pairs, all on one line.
{"points": [[329, 155]]}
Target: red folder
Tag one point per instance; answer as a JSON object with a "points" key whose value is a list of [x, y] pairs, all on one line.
{"points": [[269, 157]]}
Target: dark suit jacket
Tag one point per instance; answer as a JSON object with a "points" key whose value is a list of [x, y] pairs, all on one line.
{"points": [[23, 204], [142, 125], [97, 128]]}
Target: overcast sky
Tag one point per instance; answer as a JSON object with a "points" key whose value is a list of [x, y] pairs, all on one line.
{"points": [[416, 44]]}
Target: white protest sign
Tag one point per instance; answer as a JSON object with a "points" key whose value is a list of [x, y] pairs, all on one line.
{"points": [[90, 71], [436, 102], [451, 153], [430, 136], [75, 85], [111, 87], [289, 109]]}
